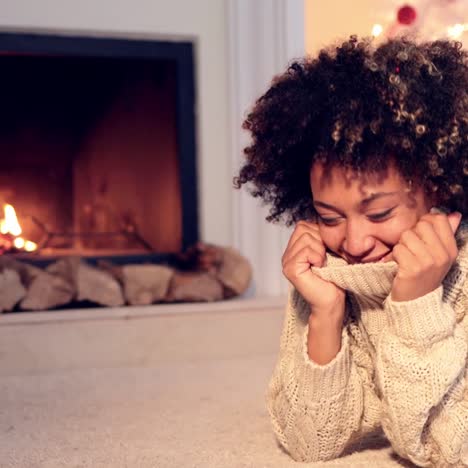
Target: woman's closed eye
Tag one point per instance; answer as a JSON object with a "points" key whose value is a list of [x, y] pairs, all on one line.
{"points": [[334, 220], [380, 216]]}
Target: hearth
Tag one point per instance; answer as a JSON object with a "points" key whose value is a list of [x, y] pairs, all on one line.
{"points": [[97, 138]]}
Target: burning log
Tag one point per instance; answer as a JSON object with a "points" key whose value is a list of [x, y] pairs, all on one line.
{"points": [[10, 231], [6, 242]]}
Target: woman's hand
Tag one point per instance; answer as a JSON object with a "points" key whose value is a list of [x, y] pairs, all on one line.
{"points": [[306, 249], [424, 255]]}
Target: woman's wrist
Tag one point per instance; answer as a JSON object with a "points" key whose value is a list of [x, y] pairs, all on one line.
{"points": [[329, 317], [324, 336]]}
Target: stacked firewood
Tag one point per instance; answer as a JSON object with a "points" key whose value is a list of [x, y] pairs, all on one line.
{"points": [[203, 273]]}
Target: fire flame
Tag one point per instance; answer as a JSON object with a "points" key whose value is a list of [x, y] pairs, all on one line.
{"points": [[10, 227], [10, 223]]}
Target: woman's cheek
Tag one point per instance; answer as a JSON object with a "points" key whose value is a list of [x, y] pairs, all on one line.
{"points": [[331, 237], [392, 230]]}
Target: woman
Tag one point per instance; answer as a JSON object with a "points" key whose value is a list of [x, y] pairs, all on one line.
{"points": [[364, 149]]}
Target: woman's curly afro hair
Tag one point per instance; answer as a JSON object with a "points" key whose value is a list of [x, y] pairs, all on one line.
{"points": [[360, 106]]}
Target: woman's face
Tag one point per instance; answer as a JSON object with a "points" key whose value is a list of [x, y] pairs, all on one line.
{"points": [[361, 217]]}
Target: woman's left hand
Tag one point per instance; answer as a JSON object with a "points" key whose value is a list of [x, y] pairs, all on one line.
{"points": [[424, 255]]}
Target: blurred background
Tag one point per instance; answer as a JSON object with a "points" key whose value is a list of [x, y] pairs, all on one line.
{"points": [[83, 173], [428, 19]]}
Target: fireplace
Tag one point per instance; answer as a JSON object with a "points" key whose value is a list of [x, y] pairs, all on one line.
{"points": [[97, 138]]}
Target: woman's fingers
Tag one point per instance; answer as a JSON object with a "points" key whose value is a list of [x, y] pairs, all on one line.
{"points": [[300, 262], [305, 237], [445, 227], [306, 240], [424, 255], [301, 228], [431, 238], [415, 253]]}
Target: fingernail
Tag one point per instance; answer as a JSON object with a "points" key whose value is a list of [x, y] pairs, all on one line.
{"points": [[435, 210], [454, 220]]}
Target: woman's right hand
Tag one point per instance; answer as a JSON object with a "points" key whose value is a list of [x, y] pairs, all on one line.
{"points": [[304, 250]]}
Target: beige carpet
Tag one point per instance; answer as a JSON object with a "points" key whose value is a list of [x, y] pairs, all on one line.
{"points": [[164, 390]]}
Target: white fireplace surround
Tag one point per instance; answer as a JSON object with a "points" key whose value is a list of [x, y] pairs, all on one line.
{"points": [[239, 46]]}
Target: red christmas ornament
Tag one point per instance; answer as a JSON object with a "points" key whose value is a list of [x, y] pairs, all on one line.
{"points": [[406, 15]]}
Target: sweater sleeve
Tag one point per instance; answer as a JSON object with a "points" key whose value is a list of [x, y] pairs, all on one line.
{"points": [[421, 371], [316, 410]]}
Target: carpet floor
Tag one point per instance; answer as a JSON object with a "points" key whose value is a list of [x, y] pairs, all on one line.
{"points": [[182, 390]]}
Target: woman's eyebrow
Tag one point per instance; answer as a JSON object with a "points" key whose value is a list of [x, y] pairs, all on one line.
{"points": [[374, 196], [363, 202]]}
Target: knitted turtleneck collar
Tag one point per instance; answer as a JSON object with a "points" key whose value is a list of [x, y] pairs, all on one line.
{"points": [[373, 281]]}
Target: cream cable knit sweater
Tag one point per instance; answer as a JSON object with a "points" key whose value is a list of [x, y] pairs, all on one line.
{"points": [[402, 368]]}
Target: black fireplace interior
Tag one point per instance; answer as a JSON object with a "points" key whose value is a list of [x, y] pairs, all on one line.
{"points": [[97, 144]]}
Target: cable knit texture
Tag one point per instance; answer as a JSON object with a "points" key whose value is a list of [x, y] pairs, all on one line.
{"points": [[402, 368]]}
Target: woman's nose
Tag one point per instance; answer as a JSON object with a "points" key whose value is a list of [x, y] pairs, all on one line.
{"points": [[358, 241]]}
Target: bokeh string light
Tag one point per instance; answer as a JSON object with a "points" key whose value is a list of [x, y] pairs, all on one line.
{"points": [[426, 19]]}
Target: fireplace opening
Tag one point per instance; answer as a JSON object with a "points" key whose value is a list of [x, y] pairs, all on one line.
{"points": [[98, 148]]}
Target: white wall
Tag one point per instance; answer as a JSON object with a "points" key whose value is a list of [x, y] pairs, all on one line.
{"points": [[264, 36], [202, 21], [327, 21]]}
